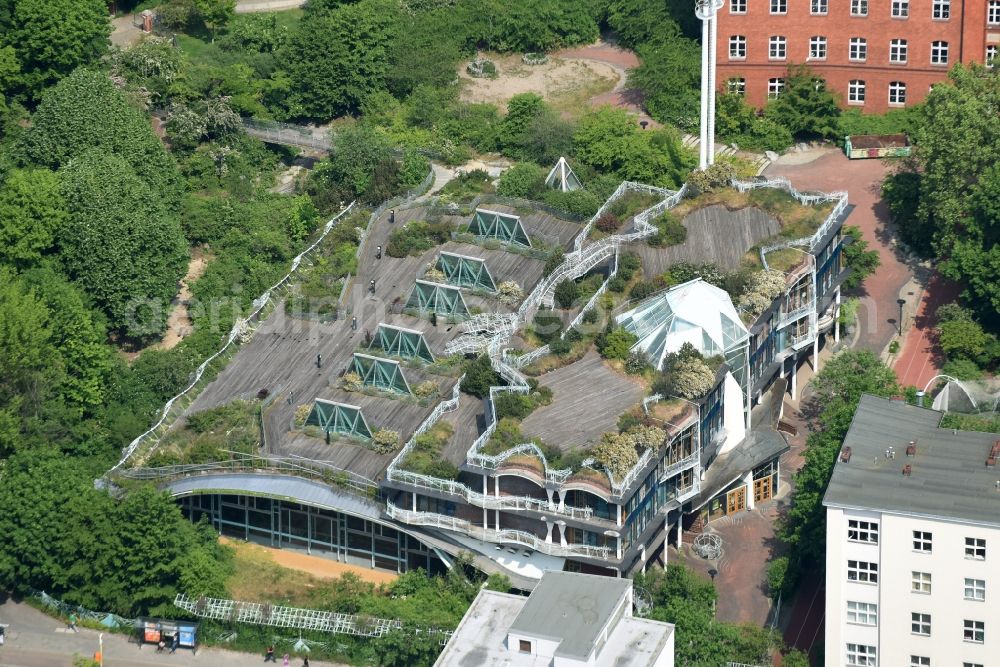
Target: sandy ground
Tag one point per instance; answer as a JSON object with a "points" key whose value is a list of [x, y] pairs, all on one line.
{"points": [[179, 321], [315, 566], [566, 83]]}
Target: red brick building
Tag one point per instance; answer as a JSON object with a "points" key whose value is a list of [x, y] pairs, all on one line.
{"points": [[877, 54]]}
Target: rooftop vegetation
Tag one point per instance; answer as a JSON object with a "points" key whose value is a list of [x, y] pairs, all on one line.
{"points": [[209, 435]]}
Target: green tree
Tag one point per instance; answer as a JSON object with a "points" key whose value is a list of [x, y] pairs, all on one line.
{"points": [[120, 244], [857, 257], [836, 391], [616, 343], [669, 77], [338, 58], [215, 13], [959, 335], [566, 293], [524, 179], [805, 106], [350, 170], [31, 211], [85, 111], [479, 377], [54, 37], [739, 123]]}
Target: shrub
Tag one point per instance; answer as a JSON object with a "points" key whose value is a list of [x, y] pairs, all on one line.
{"points": [[616, 453], [692, 378], [433, 274], [516, 406], [566, 293], [591, 316], [716, 176], [479, 377], [555, 259], [417, 237], [547, 325], [761, 290], [385, 441], [578, 202], [524, 179], [608, 222], [425, 389], [302, 413], [669, 231], [351, 382], [963, 369], [636, 363], [776, 573], [628, 264], [641, 290], [560, 346], [618, 283], [647, 437], [849, 311], [509, 293], [616, 344]]}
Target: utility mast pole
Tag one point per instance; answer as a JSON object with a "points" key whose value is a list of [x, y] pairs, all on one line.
{"points": [[706, 10]]}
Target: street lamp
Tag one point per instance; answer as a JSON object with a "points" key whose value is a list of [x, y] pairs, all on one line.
{"points": [[901, 302]]}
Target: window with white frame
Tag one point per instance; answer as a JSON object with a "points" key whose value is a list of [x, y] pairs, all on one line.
{"points": [[897, 51], [860, 655], [862, 613], [993, 12], [857, 530], [863, 571], [900, 9], [921, 539], [738, 6], [941, 10], [775, 87], [779, 6], [920, 624], [973, 631], [859, 49], [737, 47], [821, 7], [939, 53], [975, 548], [921, 582], [856, 95], [975, 589], [897, 95], [992, 51], [919, 661], [859, 7], [817, 48], [776, 49], [737, 86]]}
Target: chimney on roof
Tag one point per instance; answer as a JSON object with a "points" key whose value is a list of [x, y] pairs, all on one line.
{"points": [[911, 449], [845, 455], [907, 470]]}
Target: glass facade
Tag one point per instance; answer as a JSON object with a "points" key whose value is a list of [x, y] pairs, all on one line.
{"points": [[279, 523]]}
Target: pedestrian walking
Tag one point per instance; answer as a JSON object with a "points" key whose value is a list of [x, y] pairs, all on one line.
{"points": [[285, 661], [305, 661], [72, 622], [269, 655], [175, 642], [392, 217]]}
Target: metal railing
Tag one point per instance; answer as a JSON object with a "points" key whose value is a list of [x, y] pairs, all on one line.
{"points": [[247, 463], [806, 199], [507, 536], [242, 331], [273, 132]]}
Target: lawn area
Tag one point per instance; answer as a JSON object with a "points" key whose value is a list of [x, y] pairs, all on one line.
{"points": [[797, 221]]}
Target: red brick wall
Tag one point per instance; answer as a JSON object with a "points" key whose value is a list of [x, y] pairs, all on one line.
{"points": [[966, 37]]}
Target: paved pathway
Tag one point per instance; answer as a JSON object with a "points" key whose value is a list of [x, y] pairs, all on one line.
{"points": [[37, 640], [920, 358], [862, 179]]}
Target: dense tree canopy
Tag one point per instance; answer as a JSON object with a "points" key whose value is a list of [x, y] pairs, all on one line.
{"points": [[53, 37], [949, 195], [85, 111], [120, 243], [32, 210]]}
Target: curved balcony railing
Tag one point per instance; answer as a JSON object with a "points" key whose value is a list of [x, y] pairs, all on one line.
{"points": [[507, 536]]}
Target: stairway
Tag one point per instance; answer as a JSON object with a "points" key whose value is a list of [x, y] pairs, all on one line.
{"points": [[760, 161]]}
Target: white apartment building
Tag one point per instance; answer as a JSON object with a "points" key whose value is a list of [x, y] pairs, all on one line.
{"points": [[913, 542]]}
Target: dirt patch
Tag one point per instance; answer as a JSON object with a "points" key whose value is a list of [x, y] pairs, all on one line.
{"points": [[566, 83], [179, 321], [263, 573]]}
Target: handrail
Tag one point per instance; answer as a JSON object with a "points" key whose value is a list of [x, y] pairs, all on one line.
{"points": [[496, 536], [805, 199], [241, 331]]}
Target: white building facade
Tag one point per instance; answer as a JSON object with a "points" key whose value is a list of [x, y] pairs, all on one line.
{"points": [[912, 586]]}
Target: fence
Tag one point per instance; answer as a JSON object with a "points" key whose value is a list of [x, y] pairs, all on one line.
{"points": [[242, 331], [263, 613], [273, 132], [61, 608], [806, 199], [247, 463]]}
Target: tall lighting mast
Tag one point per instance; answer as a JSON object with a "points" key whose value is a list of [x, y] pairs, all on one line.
{"points": [[706, 10]]}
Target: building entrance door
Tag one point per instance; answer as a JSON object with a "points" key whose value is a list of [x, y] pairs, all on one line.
{"points": [[736, 500], [762, 489]]}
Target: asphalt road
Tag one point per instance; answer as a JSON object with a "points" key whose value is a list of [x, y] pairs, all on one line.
{"points": [[36, 640]]}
